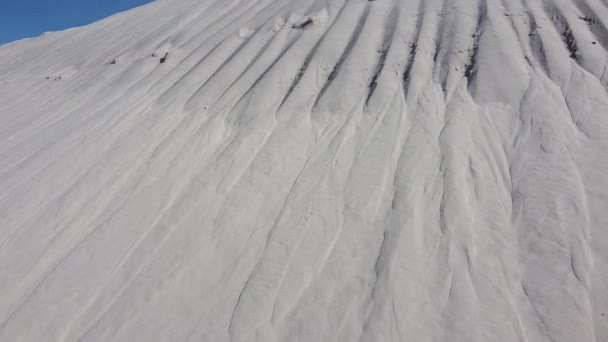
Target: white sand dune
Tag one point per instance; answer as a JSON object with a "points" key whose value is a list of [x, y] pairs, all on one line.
{"points": [[309, 170]]}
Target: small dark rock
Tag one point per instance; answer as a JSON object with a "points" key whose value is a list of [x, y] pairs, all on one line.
{"points": [[302, 25], [164, 58], [589, 20]]}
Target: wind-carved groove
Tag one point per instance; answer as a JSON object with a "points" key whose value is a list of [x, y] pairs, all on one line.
{"points": [[521, 40], [440, 29], [170, 92], [298, 77], [347, 50], [237, 310], [260, 77], [437, 49], [307, 61], [231, 56], [571, 43], [536, 44], [172, 89], [471, 68], [407, 73], [595, 25], [300, 74], [218, 16], [255, 59], [563, 28], [245, 41], [374, 81], [386, 46]]}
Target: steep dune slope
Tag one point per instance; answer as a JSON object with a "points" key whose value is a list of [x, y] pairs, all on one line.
{"points": [[308, 170]]}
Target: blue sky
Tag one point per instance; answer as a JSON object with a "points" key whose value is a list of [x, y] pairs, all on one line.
{"points": [[29, 18]]}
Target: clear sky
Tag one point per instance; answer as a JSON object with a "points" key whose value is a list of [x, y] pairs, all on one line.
{"points": [[29, 18]]}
